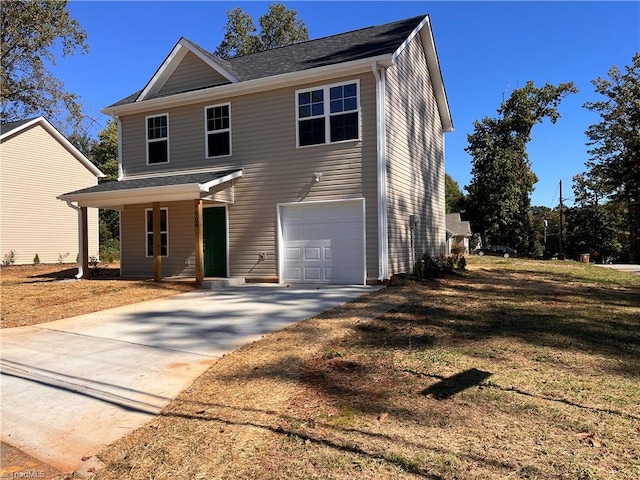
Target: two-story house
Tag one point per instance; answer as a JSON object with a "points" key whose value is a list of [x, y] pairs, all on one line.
{"points": [[322, 161]]}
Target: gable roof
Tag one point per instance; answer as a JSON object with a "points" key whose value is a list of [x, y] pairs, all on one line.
{"points": [[457, 226], [361, 48], [11, 129]]}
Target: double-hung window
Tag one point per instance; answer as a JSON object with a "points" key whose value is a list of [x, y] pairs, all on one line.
{"points": [[158, 139], [164, 231], [328, 114], [218, 130]]}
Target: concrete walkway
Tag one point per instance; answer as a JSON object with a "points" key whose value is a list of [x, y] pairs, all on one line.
{"points": [[72, 386]]}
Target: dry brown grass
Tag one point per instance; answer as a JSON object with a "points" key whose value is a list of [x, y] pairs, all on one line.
{"points": [[33, 294], [513, 370]]}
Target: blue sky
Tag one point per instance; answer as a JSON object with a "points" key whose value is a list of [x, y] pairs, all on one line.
{"points": [[486, 49]]}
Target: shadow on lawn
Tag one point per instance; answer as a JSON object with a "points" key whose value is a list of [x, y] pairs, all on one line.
{"points": [[542, 312]]}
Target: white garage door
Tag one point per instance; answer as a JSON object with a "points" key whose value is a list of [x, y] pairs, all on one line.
{"points": [[323, 242]]}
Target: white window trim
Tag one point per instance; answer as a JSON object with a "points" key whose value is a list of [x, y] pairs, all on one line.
{"points": [[327, 115], [146, 232], [146, 130], [206, 132]]}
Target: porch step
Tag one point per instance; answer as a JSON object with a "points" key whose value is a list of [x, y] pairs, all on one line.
{"points": [[212, 283]]}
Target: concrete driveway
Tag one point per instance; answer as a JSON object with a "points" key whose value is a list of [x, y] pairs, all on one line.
{"points": [[72, 386], [621, 267]]}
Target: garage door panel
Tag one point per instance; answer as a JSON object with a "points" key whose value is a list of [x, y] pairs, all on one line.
{"points": [[323, 242], [312, 274], [312, 253], [293, 253]]}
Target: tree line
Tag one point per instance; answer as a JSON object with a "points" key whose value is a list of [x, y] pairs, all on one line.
{"points": [[605, 218]]}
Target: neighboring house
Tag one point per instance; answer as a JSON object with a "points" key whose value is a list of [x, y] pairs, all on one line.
{"points": [[299, 164], [36, 165], [458, 232]]}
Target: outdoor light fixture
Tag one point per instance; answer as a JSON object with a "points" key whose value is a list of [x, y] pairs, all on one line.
{"points": [[316, 177]]}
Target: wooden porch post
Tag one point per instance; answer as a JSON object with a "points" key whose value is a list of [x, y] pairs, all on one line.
{"points": [[85, 242], [199, 242], [157, 254]]}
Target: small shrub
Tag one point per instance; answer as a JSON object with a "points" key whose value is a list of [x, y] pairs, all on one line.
{"points": [[430, 267], [62, 257], [9, 258], [36, 259], [110, 250]]}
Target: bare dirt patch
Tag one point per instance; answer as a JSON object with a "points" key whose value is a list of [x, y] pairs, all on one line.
{"points": [[33, 294], [512, 370]]}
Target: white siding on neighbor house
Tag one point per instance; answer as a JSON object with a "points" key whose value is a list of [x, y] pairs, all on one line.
{"points": [[275, 171], [34, 169], [415, 161]]}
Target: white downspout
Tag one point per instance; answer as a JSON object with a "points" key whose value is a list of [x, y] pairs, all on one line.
{"points": [[381, 134], [80, 273]]}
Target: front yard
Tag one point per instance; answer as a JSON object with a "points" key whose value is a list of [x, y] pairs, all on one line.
{"points": [[515, 369], [33, 294]]}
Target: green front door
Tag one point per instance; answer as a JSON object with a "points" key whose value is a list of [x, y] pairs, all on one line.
{"points": [[214, 232]]}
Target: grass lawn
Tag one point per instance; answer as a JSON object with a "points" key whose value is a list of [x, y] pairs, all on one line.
{"points": [[33, 294], [514, 369]]}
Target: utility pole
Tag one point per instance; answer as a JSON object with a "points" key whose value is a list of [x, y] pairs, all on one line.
{"points": [[560, 254]]}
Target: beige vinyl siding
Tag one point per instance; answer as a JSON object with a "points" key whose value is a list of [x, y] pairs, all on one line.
{"points": [[34, 169], [263, 131], [415, 159], [181, 243], [191, 74]]}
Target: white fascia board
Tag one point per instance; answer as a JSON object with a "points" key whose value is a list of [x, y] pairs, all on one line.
{"points": [[167, 193], [209, 61], [433, 65], [252, 86], [51, 130], [205, 187], [171, 63]]}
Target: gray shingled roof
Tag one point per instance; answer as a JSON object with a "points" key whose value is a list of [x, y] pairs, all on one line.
{"points": [[9, 126], [456, 226], [345, 47], [162, 181]]}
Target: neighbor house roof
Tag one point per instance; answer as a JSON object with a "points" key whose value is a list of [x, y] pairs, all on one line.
{"points": [[456, 226], [362, 47], [11, 129], [187, 186]]}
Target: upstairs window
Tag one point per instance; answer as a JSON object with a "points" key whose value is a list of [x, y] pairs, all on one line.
{"points": [[158, 139], [164, 232], [328, 115], [218, 130]]}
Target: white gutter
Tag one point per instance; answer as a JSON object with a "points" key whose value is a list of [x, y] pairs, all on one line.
{"points": [[381, 126], [80, 273]]}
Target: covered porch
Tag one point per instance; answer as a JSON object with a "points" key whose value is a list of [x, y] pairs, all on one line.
{"points": [[195, 189]]}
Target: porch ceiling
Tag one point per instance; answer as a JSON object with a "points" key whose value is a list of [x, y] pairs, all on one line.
{"points": [[160, 188]]}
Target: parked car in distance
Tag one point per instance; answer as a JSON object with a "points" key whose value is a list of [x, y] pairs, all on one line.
{"points": [[496, 250]]}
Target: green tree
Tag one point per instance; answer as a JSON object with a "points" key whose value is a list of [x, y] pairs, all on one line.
{"points": [[278, 27], [30, 32], [104, 154], [499, 195], [615, 142], [452, 194]]}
